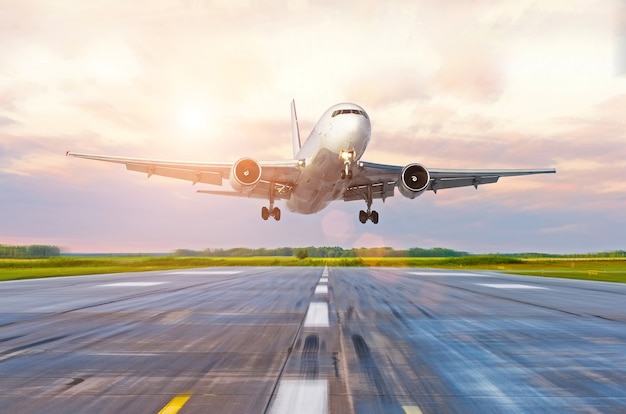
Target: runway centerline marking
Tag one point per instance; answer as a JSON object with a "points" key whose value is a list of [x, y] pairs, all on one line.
{"points": [[301, 396], [206, 272], [131, 284], [446, 274], [510, 286], [317, 315], [321, 289], [176, 404], [323, 280]]}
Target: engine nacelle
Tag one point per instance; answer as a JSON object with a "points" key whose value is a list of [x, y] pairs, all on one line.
{"points": [[245, 174], [414, 179]]}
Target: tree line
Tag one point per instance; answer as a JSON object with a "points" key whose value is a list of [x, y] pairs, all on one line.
{"points": [[321, 252], [43, 251], [29, 252], [339, 252]]}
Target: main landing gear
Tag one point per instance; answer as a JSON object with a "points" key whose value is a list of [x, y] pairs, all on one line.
{"points": [[369, 214], [271, 211]]}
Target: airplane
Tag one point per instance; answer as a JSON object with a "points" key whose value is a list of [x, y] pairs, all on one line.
{"points": [[326, 167]]}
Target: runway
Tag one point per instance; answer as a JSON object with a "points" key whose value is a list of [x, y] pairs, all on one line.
{"points": [[312, 340]]}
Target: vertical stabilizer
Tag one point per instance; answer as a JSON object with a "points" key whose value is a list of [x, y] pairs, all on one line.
{"points": [[295, 130]]}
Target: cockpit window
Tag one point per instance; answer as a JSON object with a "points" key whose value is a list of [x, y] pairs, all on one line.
{"points": [[349, 111]]}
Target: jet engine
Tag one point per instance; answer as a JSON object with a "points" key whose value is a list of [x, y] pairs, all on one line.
{"points": [[414, 179], [245, 174]]}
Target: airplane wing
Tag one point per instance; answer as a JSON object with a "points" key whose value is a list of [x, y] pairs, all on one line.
{"points": [[279, 175], [381, 179]]}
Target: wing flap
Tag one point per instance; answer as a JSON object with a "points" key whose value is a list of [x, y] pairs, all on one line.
{"points": [[195, 176], [475, 181], [378, 190]]}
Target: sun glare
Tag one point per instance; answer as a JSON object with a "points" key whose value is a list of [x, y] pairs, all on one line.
{"points": [[193, 118]]}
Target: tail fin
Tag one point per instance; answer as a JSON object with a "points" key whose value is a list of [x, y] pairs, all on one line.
{"points": [[295, 130]]}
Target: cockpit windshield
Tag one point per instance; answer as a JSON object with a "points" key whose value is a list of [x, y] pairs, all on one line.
{"points": [[349, 111]]}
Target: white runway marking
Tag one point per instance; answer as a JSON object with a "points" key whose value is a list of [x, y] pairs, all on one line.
{"points": [[205, 272], [321, 289], [301, 396], [445, 274], [126, 354], [317, 315], [323, 280], [130, 284], [509, 286]]}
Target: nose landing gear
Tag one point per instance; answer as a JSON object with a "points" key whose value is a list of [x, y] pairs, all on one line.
{"points": [[346, 172], [348, 159]]}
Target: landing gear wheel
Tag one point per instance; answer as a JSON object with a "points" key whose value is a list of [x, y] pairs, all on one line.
{"points": [[265, 213], [276, 213], [343, 175], [369, 214], [362, 216], [350, 175], [374, 217]]}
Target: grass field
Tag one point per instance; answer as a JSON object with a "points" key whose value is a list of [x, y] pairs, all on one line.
{"points": [[612, 270]]}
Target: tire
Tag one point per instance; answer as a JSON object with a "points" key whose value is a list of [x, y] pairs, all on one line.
{"points": [[265, 213], [374, 217], [362, 216]]}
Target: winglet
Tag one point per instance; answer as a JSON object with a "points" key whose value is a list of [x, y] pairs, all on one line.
{"points": [[295, 130]]}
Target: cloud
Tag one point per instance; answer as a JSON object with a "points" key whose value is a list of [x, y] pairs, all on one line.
{"points": [[514, 84], [5, 120]]}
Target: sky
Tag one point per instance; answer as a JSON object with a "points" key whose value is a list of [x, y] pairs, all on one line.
{"points": [[454, 84]]}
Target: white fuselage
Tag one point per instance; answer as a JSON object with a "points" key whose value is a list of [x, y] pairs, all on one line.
{"points": [[343, 128]]}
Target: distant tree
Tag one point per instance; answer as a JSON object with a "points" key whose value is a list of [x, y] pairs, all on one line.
{"points": [[185, 253], [302, 254], [435, 252], [33, 251], [38, 250]]}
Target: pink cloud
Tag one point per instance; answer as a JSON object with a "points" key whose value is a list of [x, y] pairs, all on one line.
{"points": [[435, 79]]}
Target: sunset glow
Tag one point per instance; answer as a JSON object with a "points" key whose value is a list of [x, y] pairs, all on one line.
{"points": [[512, 84]]}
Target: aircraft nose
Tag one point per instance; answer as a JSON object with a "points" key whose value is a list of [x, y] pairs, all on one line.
{"points": [[354, 125]]}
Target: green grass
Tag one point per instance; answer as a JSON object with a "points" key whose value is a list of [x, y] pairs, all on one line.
{"points": [[12, 269], [613, 270]]}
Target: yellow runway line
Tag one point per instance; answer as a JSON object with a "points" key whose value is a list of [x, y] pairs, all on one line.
{"points": [[176, 404]]}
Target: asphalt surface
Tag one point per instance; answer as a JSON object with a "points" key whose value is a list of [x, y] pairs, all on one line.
{"points": [[312, 340]]}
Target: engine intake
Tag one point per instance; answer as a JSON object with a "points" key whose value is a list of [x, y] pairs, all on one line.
{"points": [[414, 179], [245, 175]]}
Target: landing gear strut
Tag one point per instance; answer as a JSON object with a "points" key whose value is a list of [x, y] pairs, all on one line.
{"points": [[346, 172], [271, 211], [369, 214]]}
